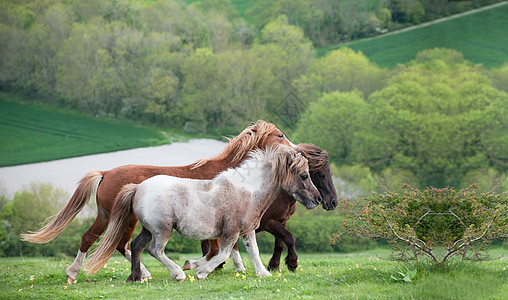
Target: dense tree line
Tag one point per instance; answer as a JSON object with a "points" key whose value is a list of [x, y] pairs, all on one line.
{"points": [[328, 22], [438, 120]]}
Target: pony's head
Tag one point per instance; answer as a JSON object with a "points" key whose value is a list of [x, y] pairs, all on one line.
{"points": [[290, 170], [259, 135], [320, 173]]}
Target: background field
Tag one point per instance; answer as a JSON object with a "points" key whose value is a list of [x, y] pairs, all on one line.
{"points": [[481, 37], [319, 276], [33, 134]]}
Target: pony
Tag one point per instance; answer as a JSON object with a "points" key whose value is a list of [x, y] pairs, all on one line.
{"points": [[105, 185], [275, 218], [227, 207]]}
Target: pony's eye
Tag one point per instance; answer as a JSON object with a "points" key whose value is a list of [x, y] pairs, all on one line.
{"points": [[304, 176], [280, 136]]}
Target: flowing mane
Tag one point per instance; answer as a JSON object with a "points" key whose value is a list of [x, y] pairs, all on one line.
{"points": [[284, 161], [318, 158], [240, 145]]}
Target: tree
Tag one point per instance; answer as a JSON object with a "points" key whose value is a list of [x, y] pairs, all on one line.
{"points": [[337, 117], [287, 50], [26, 211], [341, 70], [439, 106]]}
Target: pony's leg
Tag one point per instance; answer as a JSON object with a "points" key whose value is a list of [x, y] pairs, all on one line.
{"points": [[226, 245], [87, 240], [156, 249], [124, 249], [213, 249], [282, 234], [205, 247], [237, 259], [274, 263], [252, 248], [138, 245]]}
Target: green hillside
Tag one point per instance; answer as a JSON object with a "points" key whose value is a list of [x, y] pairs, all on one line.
{"points": [[482, 37], [32, 134]]}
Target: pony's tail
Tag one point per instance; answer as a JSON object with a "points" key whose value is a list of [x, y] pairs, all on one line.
{"points": [[119, 221], [87, 189]]}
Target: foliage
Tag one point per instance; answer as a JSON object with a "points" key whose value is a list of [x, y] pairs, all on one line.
{"points": [[437, 119], [342, 70], [27, 211], [199, 67], [407, 275], [425, 223]]}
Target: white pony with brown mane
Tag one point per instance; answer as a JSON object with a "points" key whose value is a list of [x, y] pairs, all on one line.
{"points": [[227, 207]]}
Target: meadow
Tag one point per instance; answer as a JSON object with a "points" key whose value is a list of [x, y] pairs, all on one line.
{"points": [[32, 133], [479, 36], [319, 276]]}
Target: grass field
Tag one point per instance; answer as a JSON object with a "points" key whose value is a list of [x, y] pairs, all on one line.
{"points": [[319, 276], [482, 38], [32, 134]]}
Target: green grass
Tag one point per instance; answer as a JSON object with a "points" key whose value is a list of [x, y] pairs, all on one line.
{"points": [[321, 276], [481, 37], [32, 133]]}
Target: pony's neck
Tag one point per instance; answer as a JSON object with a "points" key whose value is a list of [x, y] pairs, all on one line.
{"points": [[253, 175]]}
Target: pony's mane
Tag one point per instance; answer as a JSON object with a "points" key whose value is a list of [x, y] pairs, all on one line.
{"points": [[285, 160], [317, 157], [249, 139]]}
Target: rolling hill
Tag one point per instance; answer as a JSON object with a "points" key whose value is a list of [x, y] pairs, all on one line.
{"points": [[481, 36]]}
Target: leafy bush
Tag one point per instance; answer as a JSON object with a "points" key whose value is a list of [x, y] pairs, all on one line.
{"points": [[436, 223], [26, 211]]}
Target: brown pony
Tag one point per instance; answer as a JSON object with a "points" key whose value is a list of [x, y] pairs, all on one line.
{"points": [[275, 218], [105, 185]]}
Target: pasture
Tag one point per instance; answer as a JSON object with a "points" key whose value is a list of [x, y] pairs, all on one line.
{"points": [[479, 36], [319, 276], [32, 133]]}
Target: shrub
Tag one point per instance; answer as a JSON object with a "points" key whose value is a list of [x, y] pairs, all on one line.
{"points": [[418, 223]]}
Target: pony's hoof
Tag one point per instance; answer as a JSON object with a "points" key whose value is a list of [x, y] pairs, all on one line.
{"points": [[240, 268], [273, 267], [70, 280], [292, 264], [131, 279], [264, 274], [187, 265]]}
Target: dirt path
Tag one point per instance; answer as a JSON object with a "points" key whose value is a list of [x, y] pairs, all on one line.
{"points": [[65, 173]]}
